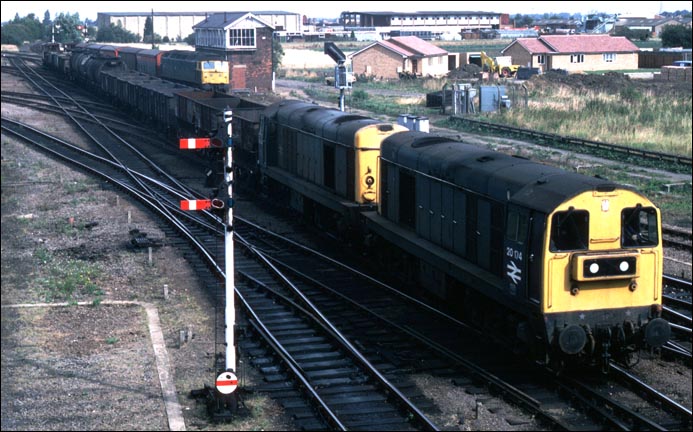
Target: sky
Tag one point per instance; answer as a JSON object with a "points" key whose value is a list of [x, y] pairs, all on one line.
{"points": [[332, 9]]}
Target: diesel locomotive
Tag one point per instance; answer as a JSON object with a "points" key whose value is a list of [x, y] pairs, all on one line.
{"points": [[186, 67], [564, 267]]}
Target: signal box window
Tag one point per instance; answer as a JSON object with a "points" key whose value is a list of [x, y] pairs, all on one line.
{"points": [[639, 227], [570, 230], [242, 38]]}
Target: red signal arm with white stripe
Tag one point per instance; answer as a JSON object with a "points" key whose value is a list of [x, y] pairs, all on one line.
{"points": [[194, 143], [196, 204]]}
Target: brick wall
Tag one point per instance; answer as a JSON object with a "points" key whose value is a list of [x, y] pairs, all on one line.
{"points": [[258, 63], [379, 62]]}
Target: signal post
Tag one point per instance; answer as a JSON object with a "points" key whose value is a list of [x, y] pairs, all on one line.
{"points": [[222, 399]]}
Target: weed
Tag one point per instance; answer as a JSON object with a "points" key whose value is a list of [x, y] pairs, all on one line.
{"points": [[69, 280], [359, 95], [43, 255], [78, 186]]}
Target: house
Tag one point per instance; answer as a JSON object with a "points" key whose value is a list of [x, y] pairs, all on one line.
{"points": [[574, 53], [245, 41], [400, 56]]}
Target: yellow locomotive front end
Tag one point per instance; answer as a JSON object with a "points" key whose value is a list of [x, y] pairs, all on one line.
{"points": [[367, 146], [603, 275], [214, 72]]}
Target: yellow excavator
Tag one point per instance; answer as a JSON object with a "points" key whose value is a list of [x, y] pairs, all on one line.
{"points": [[501, 65]]}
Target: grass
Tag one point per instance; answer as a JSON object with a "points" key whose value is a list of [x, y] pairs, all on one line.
{"points": [[66, 279], [631, 117]]}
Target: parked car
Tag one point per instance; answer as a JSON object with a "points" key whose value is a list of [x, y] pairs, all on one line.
{"points": [[684, 63]]}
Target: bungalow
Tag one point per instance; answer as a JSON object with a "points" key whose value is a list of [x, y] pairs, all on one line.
{"points": [[400, 56], [574, 53]]}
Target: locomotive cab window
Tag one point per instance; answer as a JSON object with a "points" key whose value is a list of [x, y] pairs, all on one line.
{"points": [[516, 227], [570, 230], [211, 65], [639, 227]]}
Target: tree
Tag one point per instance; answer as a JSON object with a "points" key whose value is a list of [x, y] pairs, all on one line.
{"points": [[148, 29], [633, 34], [47, 25], [68, 28], [33, 27], [676, 36], [20, 30], [277, 54], [190, 39], [523, 21], [149, 36], [14, 34]]}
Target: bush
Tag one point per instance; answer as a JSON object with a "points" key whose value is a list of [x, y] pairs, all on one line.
{"points": [[360, 95]]}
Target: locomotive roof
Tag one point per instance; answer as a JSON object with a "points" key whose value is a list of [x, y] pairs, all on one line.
{"points": [[328, 123], [190, 55], [497, 175]]}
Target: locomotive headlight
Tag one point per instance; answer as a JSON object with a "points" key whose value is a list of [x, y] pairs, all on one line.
{"points": [[590, 267], [370, 181]]}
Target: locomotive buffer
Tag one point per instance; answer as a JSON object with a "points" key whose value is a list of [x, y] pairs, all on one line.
{"points": [[222, 400]]}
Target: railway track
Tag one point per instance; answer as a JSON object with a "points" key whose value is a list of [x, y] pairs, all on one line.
{"points": [[643, 157], [677, 237], [398, 351]]}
